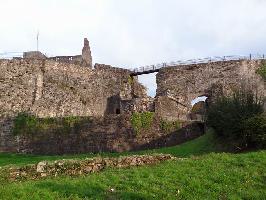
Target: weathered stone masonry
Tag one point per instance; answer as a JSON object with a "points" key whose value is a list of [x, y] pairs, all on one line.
{"points": [[58, 87], [185, 83], [112, 133], [48, 88]]}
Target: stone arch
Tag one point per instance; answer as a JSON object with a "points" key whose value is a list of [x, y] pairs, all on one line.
{"points": [[188, 82], [198, 109], [209, 90]]}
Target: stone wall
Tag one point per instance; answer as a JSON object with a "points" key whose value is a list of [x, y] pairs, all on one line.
{"points": [[86, 54], [112, 133], [169, 109], [77, 59], [33, 55], [80, 167], [85, 59], [8, 142], [188, 82], [49, 88]]}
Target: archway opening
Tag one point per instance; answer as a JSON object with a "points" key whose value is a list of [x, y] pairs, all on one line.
{"points": [[198, 110], [199, 99]]}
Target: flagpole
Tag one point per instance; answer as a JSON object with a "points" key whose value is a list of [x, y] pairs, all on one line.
{"points": [[38, 41]]}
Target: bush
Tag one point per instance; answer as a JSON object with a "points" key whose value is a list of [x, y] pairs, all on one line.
{"points": [[25, 124], [130, 80], [142, 121], [255, 130], [170, 126], [227, 114], [262, 71]]}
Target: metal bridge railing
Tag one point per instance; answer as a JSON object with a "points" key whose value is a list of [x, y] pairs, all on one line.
{"points": [[10, 55], [200, 61]]}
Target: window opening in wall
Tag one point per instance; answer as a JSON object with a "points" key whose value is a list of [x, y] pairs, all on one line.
{"points": [[149, 81], [117, 111]]}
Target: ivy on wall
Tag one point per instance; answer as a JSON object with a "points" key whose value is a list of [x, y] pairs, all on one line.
{"points": [[130, 80], [170, 126], [142, 121], [25, 124]]}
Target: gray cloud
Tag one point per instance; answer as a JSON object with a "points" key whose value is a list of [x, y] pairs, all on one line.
{"points": [[135, 32]]}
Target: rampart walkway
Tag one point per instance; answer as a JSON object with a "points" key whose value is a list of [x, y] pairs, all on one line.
{"points": [[155, 68]]}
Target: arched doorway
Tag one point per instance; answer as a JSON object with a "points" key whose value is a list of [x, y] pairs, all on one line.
{"points": [[198, 110]]}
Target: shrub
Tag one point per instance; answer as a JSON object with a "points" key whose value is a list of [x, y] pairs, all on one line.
{"points": [[255, 130], [142, 121], [169, 126], [227, 114], [130, 80], [262, 71]]}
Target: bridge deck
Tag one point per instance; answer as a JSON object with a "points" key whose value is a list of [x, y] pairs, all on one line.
{"points": [[155, 68], [144, 72]]}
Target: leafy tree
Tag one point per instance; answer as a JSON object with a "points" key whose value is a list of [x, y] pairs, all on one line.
{"points": [[227, 115], [255, 130]]}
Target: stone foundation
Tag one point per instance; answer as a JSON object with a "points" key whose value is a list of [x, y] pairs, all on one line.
{"points": [[81, 167]]}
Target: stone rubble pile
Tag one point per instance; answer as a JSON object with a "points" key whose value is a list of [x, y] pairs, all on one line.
{"points": [[79, 167]]}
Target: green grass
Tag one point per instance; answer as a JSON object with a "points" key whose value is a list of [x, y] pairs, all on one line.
{"points": [[212, 176], [200, 175], [204, 144]]}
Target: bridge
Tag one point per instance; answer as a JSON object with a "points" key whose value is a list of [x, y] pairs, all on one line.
{"points": [[155, 68]]}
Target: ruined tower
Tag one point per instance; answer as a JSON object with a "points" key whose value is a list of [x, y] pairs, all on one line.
{"points": [[86, 53]]}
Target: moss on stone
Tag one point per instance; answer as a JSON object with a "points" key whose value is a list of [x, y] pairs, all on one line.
{"points": [[169, 126], [25, 124]]}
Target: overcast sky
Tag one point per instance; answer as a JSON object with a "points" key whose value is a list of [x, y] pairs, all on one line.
{"points": [[132, 33]]}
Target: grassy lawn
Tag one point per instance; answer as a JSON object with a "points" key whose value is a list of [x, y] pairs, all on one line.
{"points": [[211, 176], [201, 175]]}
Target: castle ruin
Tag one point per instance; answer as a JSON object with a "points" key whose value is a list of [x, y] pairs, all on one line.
{"points": [[71, 86], [85, 59]]}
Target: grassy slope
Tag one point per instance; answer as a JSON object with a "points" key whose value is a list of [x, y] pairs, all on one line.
{"points": [[209, 176], [212, 176], [201, 145]]}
